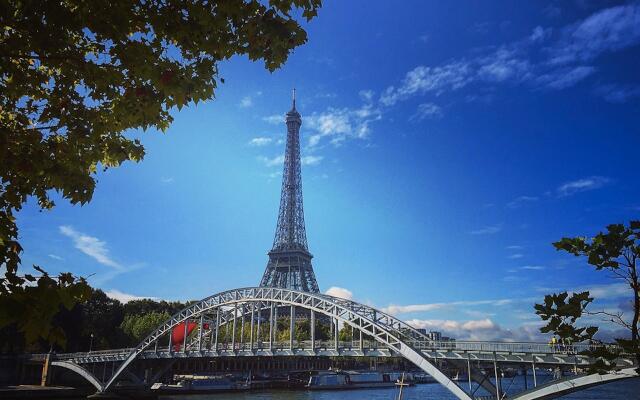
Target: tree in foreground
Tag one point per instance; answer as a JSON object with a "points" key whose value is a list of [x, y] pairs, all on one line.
{"points": [[75, 76], [616, 251]]}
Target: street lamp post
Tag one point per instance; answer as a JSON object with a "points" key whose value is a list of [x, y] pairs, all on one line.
{"points": [[91, 343]]}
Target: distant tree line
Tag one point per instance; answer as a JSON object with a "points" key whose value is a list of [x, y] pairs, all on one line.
{"points": [[112, 324]]}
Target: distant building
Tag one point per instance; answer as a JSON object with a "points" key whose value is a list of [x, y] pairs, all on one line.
{"points": [[435, 336]]}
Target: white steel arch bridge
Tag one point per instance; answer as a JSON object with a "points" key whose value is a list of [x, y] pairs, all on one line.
{"points": [[251, 313]]}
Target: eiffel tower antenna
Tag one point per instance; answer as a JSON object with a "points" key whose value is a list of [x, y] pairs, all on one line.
{"points": [[289, 263]]}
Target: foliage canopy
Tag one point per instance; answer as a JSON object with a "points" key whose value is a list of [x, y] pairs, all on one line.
{"points": [[617, 251], [76, 75]]}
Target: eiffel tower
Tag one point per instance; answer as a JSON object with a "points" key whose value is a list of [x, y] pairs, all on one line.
{"points": [[289, 263]]}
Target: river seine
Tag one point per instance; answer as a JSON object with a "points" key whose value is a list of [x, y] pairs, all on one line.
{"points": [[625, 390]]}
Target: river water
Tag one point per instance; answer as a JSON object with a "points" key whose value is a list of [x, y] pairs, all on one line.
{"points": [[623, 390]]}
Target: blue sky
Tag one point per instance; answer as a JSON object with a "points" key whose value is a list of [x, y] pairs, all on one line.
{"points": [[445, 146]]}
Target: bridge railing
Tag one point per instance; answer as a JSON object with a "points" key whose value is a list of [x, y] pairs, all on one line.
{"points": [[453, 345], [510, 347]]}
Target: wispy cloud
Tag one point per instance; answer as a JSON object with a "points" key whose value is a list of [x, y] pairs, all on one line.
{"points": [[428, 111], [275, 119], [311, 160], [581, 185], [607, 30], [564, 77], [540, 34], [260, 141], [125, 297], [55, 257], [272, 162], [487, 230], [412, 308], [366, 95], [520, 201], [91, 246], [514, 247], [515, 256], [482, 329], [246, 102], [167, 179], [337, 291], [424, 79], [533, 267], [615, 93], [338, 125], [558, 64]]}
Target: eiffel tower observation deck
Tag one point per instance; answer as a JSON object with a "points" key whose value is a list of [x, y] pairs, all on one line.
{"points": [[289, 263]]}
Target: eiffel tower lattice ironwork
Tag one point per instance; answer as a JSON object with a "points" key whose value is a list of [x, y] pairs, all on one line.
{"points": [[289, 263]]}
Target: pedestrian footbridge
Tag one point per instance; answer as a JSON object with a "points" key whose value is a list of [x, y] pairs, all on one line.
{"points": [[236, 322]]}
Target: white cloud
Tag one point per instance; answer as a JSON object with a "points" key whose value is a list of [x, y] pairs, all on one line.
{"points": [[614, 93], [55, 257], [502, 65], [481, 329], [336, 291], [514, 247], [412, 308], [272, 162], [124, 297], [275, 119], [515, 256], [311, 160], [260, 141], [424, 79], [533, 267], [366, 95], [487, 230], [167, 179], [540, 34], [599, 291], [91, 246], [338, 125], [582, 185], [519, 201], [607, 291], [246, 102], [607, 30], [556, 66], [565, 77], [428, 111]]}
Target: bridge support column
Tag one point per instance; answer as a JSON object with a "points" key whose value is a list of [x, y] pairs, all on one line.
{"points": [[313, 331], [184, 340], [495, 369], [271, 328], [242, 328], [334, 321], [275, 326], [233, 329], [217, 329], [45, 370], [200, 328], [533, 367], [469, 372], [292, 326], [258, 337], [251, 326]]}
